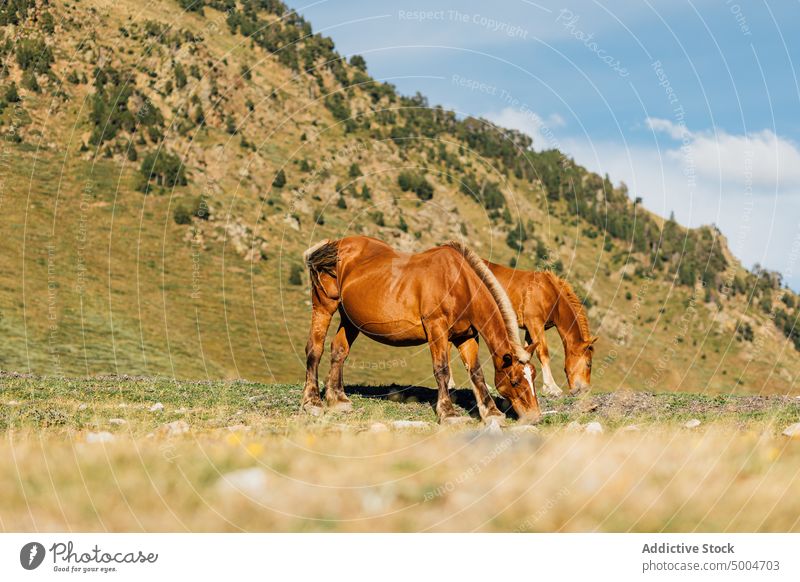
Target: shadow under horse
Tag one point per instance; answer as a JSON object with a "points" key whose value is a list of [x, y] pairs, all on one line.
{"points": [[404, 394]]}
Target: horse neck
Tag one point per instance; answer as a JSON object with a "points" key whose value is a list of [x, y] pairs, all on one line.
{"points": [[566, 320], [487, 318]]}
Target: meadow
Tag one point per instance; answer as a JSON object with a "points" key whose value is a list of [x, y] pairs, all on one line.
{"points": [[149, 454]]}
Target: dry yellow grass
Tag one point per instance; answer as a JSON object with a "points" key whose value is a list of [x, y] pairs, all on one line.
{"points": [[359, 472], [315, 478]]}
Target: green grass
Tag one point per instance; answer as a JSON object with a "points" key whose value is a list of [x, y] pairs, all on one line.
{"points": [[87, 404], [338, 473]]}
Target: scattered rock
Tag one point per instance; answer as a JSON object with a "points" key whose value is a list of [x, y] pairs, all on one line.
{"points": [[117, 421], [693, 423], [82, 406], [524, 428], [792, 431], [630, 428], [12, 403], [493, 427], [122, 405], [410, 424], [257, 397], [240, 427], [574, 426], [549, 412], [378, 427], [175, 428], [252, 482], [99, 437], [182, 410], [156, 407], [593, 428]]}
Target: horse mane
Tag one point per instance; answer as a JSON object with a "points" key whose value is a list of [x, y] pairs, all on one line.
{"points": [[566, 291], [497, 292]]}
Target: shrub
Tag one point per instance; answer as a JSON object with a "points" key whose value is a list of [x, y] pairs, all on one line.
{"points": [[182, 215], [296, 275], [377, 218], [413, 182], [354, 171], [34, 55], [29, 81], [192, 5], [180, 76], [280, 179], [163, 167], [516, 237], [11, 94], [230, 125]]}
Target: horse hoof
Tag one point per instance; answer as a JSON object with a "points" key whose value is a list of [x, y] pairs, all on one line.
{"points": [[312, 409], [497, 419], [346, 406], [454, 420], [553, 390]]}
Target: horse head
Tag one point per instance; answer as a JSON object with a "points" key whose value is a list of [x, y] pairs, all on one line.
{"points": [[578, 365], [514, 381]]}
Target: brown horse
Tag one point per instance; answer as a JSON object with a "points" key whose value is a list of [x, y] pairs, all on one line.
{"points": [[446, 294], [542, 300]]}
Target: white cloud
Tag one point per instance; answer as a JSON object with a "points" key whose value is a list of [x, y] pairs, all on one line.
{"points": [[756, 161], [749, 186]]}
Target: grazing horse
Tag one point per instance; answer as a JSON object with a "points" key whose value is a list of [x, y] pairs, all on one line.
{"points": [[443, 295], [543, 300]]}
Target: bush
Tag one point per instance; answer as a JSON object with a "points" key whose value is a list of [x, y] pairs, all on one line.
{"points": [[230, 125], [280, 179], [180, 76], [516, 237], [29, 81], [296, 275], [412, 182], [165, 168], [11, 94], [34, 55], [354, 171], [377, 218], [192, 5], [182, 215], [486, 193]]}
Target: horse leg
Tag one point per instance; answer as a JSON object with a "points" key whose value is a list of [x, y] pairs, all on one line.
{"points": [[321, 314], [468, 350], [536, 334], [451, 384], [440, 354], [340, 348]]}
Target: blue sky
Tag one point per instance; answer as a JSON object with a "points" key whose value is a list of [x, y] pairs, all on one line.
{"points": [[693, 104]]}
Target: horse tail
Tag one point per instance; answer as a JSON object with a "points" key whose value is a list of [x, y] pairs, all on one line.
{"points": [[321, 259], [497, 292]]}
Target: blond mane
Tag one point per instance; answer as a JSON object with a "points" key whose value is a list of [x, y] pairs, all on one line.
{"points": [[497, 292], [566, 291]]}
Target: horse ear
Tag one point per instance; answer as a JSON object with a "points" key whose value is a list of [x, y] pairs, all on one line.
{"points": [[531, 348], [594, 339], [507, 360]]}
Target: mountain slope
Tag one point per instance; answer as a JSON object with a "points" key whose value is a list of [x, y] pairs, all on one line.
{"points": [[164, 167]]}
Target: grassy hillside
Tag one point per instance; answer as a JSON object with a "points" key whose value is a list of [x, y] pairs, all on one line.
{"points": [[163, 169]]}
